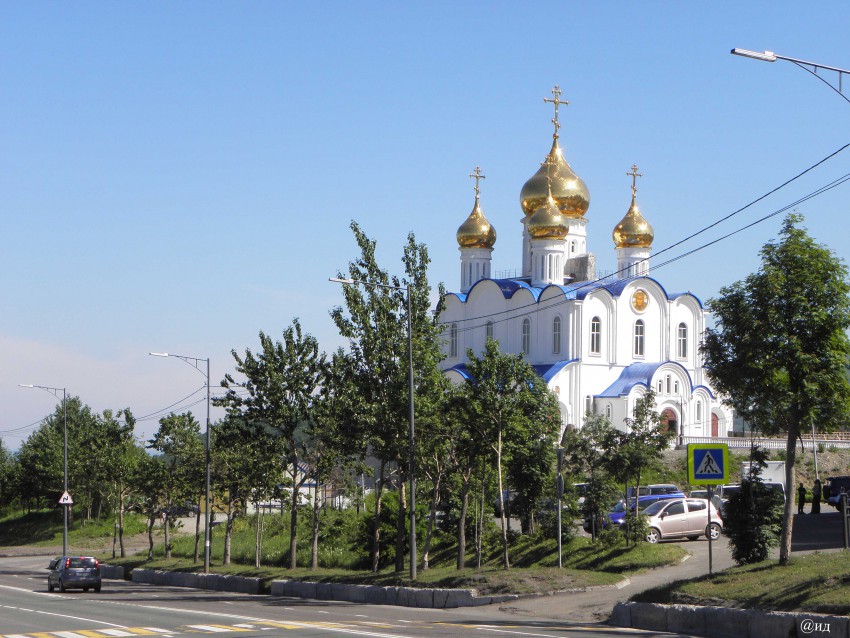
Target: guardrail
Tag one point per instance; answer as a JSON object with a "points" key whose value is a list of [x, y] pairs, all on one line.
{"points": [[740, 442]]}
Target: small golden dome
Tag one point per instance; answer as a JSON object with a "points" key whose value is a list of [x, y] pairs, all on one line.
{"points": [[569, 192], [633, 231], [476, 231], [547, 222]]}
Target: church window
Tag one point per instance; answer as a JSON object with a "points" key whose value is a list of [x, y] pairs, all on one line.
{"points": [[556, 335], [526, 336], [572, 247], [660, 386], [488, 330], [588, 404], [595, 336], [608, 411], [669, 381], [699, 413], [639, 338], [675, 387], [682, 349], [453, 340]]}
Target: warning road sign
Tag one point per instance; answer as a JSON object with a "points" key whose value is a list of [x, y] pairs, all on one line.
{"points": [[708, 463], [66, 499]]}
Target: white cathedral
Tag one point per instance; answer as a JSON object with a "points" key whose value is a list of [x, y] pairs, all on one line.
{"points": [[599, 343]]}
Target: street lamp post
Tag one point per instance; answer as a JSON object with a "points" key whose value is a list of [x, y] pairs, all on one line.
{"points": [[195, 362], [410, 431], [65, 506], [811, 67]]}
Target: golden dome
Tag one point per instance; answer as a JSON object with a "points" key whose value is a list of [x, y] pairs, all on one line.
{"points": [[547, 222], [569, 192], [476, 231], [633, 231]]}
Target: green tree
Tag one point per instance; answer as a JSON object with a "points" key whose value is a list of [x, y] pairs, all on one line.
{"points": [[375, 322], [150, 480], [511, 407], [120, 455], [281, 382], [7, 478], [780, 346]]}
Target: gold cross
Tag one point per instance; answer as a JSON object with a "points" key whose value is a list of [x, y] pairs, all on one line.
{"points": [[557, 101], [478, 176], [634, 175], [548, 163]]}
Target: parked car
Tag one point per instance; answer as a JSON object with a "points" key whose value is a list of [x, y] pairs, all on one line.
{"points": [[617, 515], [682, 517], [835, 484], [665, 488], [581, 491], [74, 572]]}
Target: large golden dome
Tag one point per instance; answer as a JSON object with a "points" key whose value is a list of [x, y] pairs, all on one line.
{"points": [[547, 222], [569, 192], [633, 231], [476, 231]]}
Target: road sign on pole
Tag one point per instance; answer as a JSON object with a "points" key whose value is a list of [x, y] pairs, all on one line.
{"points": [[66, 499], [708, 463]]}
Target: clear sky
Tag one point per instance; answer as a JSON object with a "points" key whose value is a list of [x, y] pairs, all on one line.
{"points": [[179, 176]]}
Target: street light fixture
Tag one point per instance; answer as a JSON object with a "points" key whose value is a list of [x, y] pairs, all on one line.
{"points": [[811, 67], [411, 431], [55, 392], [195, 362]]}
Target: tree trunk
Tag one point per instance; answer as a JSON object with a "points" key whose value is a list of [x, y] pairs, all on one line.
{"points": [[114, 533], [400, 526], [228, 532], [461, 525], [506, 563], [376, 530], [788, 514], [432, 520], [314, 561], [293, 521], [151, 522], [166, 536], [121, 524], [257, 541]]}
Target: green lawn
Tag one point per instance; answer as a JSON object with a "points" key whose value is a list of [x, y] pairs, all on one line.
{"points": [[818, 582]]}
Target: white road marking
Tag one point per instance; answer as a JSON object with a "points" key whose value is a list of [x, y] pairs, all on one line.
{"points": [[115, 632], [518, 633], [210, 628], [67, 634]]}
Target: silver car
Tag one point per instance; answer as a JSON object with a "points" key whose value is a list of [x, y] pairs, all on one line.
{"points": [[74, 572], [682, 518]]}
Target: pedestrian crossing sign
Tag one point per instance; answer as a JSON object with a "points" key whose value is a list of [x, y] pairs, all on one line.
{"points": [[708, 463]]}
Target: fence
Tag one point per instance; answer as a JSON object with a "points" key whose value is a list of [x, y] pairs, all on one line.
{"points": [[740, 442]]}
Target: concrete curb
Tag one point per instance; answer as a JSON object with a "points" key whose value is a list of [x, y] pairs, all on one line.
{"points": [[724, 622], [216, 582], [112, 572]]}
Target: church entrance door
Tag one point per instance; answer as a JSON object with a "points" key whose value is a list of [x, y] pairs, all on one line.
{"points": [[715, 422]]}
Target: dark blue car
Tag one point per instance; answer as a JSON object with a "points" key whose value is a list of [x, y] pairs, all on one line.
{"points": [[617, 515]]}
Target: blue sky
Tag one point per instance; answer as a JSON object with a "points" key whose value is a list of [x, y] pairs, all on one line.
{"points": [[178, 176]]}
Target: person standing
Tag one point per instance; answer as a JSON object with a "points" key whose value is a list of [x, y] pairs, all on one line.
{"points": [[801, 498], [816, 494]]}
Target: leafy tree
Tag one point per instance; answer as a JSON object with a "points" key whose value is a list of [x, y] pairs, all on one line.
{"points": [[281, 382], [7, 477], [511, 407], [150, 480], [780, 346], [375, 323], [120, 456]]}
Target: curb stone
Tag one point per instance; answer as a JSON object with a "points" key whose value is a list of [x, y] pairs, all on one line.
{"points": [[724, 622]]}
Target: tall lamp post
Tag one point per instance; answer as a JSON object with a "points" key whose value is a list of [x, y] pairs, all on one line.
{"points": [[811, 67], [195, 362], [411, 431], [55, 392]]}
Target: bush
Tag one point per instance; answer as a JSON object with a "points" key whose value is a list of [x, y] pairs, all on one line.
{"points": [[547, 525]]}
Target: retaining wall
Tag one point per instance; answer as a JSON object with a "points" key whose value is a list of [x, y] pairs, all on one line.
{"points": [[112, 572], [723, 622], [216, 582]]}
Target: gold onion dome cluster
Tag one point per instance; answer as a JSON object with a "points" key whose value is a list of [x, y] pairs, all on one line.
{"points": [[476, 231], [633, 231], [547, 222], [569, 192]]}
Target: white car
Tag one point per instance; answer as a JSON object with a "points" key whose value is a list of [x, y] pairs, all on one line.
{"points": [[682, 518]]}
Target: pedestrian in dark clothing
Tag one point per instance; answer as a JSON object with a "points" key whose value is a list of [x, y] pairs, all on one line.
{"points": [[801, 498], [816, 494]]}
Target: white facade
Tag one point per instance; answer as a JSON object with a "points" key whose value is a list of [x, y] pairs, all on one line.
{"points": [[598, 343]]}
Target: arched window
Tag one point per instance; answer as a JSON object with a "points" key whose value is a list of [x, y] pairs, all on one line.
{"points": [[453, 340], [572, 247], [595, 336], [699, 413], [488, 330], [608, 411], [682, 348], [660, 386], [639, 338], [526, 336], [676, 387], [588, 404], [556, 335], [668, 383]]}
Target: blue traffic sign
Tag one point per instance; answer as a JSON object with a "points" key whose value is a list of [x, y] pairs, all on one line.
{"points": [[708, 463]]}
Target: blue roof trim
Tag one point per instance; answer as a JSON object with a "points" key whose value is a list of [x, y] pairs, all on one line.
{"points": [[640, 374], [461, 296], [676, 295], [706, 388], [545, 371], [461, 370]]}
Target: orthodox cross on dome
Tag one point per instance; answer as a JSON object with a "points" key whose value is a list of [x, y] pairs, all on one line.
{"points": [[634, 175], [557, 101], [548, 163], [478, 177]]}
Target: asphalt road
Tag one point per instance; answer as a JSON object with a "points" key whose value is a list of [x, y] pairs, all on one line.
{"points": [[127, 609]]}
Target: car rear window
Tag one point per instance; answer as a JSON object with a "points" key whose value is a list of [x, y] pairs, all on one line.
{"points": [[694, 506], [83, 562]]}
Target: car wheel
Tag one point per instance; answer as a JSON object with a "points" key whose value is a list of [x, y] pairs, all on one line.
{"points": [[713, 531], [61, 585], [692, 538], [653, 536], [97, 589], [49, 585]]}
